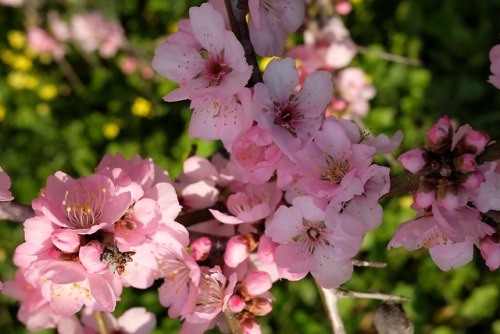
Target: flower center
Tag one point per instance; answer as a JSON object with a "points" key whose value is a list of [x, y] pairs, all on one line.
{"points": [[313, 234], [287, 116], [335, 170], [84, 208]]}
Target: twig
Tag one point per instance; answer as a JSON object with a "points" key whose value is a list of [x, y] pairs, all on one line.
{"points": [[70, 74], [234, 326], [101, 324], [330, 298], [236, 11], [359, 263], [390, 56], [370, 295], [15, 212]]}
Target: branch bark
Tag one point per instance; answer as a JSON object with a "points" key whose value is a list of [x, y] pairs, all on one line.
{"points": [[237, 11]]}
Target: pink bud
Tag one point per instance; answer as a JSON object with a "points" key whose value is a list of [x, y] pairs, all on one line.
{"points": [[449, 199], [440, 134], [473, 181], [475, 141], [423, 200], [200, 248], [466, 162], [66, 240], [256, 283], [414, 160], [90, 257], [236, 251], [250, 326], [236, 304]]}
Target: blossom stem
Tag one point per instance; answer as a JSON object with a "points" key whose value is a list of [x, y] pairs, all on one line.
{"points": [[371, 264], [101, 324], [15, 212], [236, 11], [234, 326], [330, 298], [370, 295]]}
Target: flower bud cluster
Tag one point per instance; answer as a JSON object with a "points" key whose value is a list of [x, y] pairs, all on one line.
{"points": [[455, 193]]}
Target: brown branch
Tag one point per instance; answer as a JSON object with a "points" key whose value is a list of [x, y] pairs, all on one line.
{"points": [[236, 11], [15, 212]]}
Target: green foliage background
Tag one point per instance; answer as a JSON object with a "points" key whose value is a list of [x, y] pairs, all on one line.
{"points": [[40, 136]]}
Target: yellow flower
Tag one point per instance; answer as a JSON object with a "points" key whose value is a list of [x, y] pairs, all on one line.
{"points": [[111, 130], [21, 63], [30, 81], [16, 80], [405, 201], [47, 92], [141, 107], [7, 56], [172, 27], [16, 38], [3, 112]]}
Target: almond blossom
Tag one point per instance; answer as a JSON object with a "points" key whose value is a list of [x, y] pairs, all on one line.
{"points": [[204, 58], [494, 79], [5, 194], [291, 117], [308, 242], [270, 23], [450, 236], [208, 63]]}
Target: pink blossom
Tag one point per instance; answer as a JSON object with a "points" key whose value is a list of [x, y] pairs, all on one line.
{"points": [[256, 283], [354, 91], [92, 32], [488, 196], [310, 243], [237, 251], [181, 276], [5, 194], [292, 118], [210, 62], [221, 118], [449, 235], [414, 160], [255, 151], [135, 320], [87, 204], [490, 251], [495, 66], [200, 248], [41, 41], [271, 22], [333, 164], [12, 3], [213, 293], [330, 48], [250, 203], [197, 184], [35, 310]]}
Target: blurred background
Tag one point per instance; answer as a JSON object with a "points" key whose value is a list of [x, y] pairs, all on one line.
{"points": [[65, 101]]}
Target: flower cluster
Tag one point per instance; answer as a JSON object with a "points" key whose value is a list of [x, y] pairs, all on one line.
{"points": [[455, 193], [90, 32], [299, 190], [92, 236]]}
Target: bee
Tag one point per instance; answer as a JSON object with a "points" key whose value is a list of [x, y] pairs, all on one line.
{"points": [[117, 260]]}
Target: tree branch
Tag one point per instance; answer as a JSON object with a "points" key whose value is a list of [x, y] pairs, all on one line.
{"points": [[15, 212], [236, 11]]}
